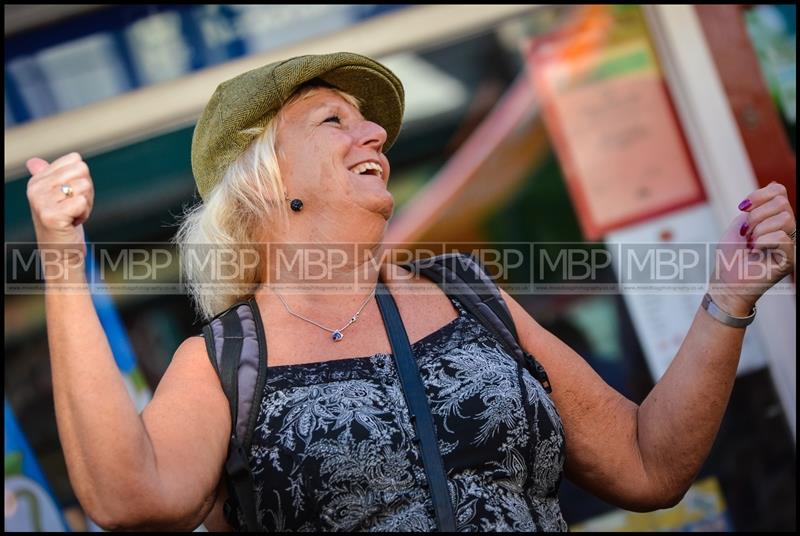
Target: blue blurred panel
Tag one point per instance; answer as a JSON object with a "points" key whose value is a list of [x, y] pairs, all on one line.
{"points": [[789, 14], [30, 96], [84, 71], [158, 47], [30, 505], [268, 27], [8, 117], [108, 19], [107, 52], [11, 94]]}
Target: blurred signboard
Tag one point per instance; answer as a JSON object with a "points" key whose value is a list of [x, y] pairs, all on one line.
{"points": [[611, 121]]}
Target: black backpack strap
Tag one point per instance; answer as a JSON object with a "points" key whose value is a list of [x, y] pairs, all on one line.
{"points": [[417, 402], [462, 278], [237, 348]]}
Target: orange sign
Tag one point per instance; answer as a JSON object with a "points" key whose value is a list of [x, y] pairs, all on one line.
{"points": [[613, 128]]}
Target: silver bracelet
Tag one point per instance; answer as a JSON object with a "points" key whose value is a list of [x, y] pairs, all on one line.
{"points": [[729, 320]]}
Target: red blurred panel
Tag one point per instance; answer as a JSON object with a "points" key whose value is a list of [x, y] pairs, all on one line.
{"points": [[763, 134]]}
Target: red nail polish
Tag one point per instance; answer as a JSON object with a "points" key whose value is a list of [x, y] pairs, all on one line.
{"points": [[744, 205], [743, 229]]}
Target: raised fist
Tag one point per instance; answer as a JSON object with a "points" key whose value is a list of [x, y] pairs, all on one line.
{"points": [[61, 196]]}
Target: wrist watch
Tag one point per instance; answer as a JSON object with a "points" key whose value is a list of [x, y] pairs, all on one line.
{"points": [[729, 320]]}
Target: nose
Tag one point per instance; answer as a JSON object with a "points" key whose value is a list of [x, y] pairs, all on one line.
{"points": [[372, 135]]}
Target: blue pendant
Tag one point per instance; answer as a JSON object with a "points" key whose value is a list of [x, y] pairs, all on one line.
{"points": [[337, 336]]}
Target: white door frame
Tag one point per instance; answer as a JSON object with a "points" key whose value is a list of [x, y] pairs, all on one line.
{"points": [[725, 170]]}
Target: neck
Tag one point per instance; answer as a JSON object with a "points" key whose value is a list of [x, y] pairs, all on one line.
{"points": [[334, 244], [326, 264]]}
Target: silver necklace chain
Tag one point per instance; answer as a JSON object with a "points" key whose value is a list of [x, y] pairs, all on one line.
{"points": [[336, 334]]}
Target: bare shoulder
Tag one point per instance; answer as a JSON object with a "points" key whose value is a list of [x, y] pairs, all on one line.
{"points": [[190, 376], [191, 353], [189, 369], [190, 396]]}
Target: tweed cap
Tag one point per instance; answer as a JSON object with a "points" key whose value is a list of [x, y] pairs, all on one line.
{"points": [[253, 98]]}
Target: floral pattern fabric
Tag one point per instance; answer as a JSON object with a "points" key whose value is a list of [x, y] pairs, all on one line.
{"points": [[334, 450]]}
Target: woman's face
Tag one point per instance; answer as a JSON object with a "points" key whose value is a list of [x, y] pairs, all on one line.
{"points": [[323, 142]]}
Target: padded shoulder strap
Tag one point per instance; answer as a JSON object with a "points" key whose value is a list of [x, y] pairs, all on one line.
{"points": [[237, 348], [238, 351]]}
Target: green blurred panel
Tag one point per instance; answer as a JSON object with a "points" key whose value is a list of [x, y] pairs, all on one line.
{"points": [[131, 183], [632, 63], [541, 212]]}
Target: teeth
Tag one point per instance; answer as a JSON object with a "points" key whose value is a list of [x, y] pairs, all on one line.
{"points": [[361, 168]]}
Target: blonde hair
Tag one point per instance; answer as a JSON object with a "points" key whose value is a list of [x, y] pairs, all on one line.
{"points": [[233, 217]]}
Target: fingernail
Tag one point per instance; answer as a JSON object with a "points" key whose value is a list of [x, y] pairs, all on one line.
{"points": [[743, 229], [744, 205]]}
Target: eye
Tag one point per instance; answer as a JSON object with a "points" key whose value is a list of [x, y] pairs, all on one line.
{"points": [[334, 118]]}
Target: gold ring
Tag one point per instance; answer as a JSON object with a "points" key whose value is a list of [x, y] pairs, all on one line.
{"points": [[66, 189], [793, 234]]}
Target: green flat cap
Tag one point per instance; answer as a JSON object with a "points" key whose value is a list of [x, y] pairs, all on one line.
{"points": [[253, 98]]}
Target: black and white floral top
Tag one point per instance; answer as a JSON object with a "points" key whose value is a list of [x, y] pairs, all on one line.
{"points": [[333, 447]]}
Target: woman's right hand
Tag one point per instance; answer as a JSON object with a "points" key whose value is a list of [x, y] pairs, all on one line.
{"points": [[58, 219]]}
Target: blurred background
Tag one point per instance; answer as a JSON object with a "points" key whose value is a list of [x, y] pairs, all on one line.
{"points": [[524, 123]]}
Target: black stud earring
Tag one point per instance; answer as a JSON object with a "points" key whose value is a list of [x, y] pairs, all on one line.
{"points": [[296, 205]]}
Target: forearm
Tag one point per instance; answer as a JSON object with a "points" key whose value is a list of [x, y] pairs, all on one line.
{"points": [[105, 444], [680, 418]]}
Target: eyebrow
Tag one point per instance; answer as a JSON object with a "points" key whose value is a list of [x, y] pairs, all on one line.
{"points": [[337, 106]]}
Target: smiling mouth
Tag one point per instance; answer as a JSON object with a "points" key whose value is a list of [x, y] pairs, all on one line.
{"points": [[368, 168]]}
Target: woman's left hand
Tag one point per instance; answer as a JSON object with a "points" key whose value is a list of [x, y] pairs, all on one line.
{"points": [[756, 251]]}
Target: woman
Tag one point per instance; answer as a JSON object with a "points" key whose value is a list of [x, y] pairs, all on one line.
{"points": [[293, 154]]}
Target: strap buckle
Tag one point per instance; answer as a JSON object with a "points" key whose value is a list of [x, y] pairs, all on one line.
{"points": [[537, 371]]}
